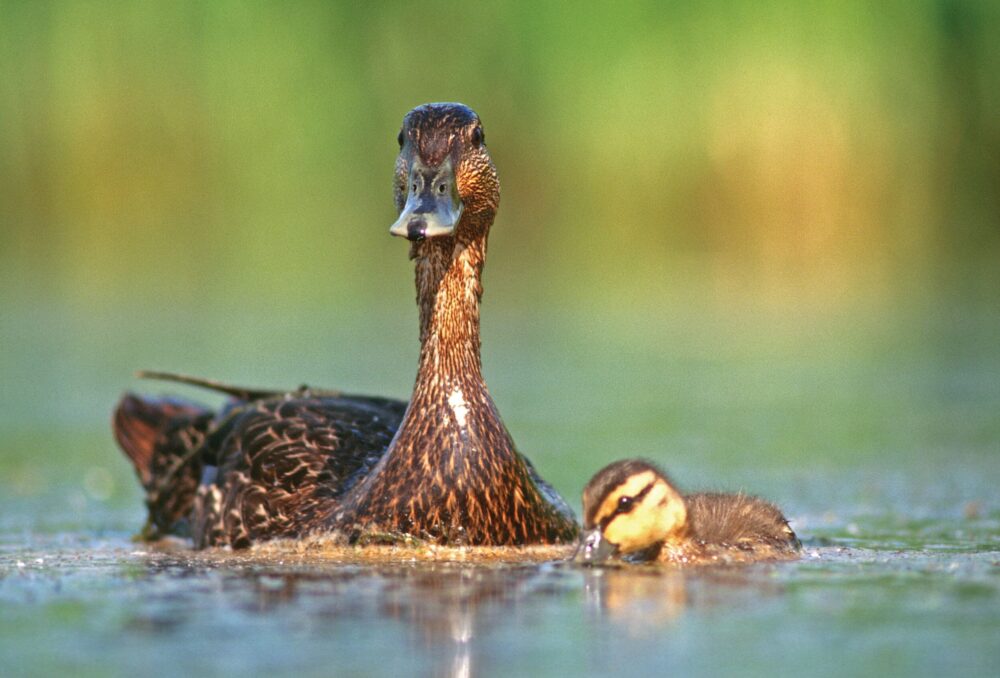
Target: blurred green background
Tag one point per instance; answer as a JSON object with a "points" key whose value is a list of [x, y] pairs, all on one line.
{"points": [[732, 236]]}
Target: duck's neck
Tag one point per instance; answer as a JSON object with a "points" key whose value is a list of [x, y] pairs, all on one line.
{"points": [[452, 473], [448, 275]]}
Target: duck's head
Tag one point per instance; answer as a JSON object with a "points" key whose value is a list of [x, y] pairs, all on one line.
{"points": [[446, 184], [629, 507]]}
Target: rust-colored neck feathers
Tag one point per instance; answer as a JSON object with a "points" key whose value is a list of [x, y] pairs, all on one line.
{"points": [[452, 474], [448, 293]]}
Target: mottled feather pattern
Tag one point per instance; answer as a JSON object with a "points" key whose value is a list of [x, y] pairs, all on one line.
{"points": [[444, 480], [176, 473], [160, 435], [442, 468], [469, 486], [284, 459]]}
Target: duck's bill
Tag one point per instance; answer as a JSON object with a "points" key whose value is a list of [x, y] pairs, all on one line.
{"points": [[432, 207], [593, 548]]}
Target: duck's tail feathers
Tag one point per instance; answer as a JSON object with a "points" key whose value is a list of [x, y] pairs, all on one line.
{"points": [[139, 423], [238, 392]]}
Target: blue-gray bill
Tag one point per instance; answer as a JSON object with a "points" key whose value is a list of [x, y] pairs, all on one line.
{"points": [[432, 207]]}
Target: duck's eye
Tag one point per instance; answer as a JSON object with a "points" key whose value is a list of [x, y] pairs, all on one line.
{"points": [[624, 504], [442, 188], [478, 136], [400, 138]]}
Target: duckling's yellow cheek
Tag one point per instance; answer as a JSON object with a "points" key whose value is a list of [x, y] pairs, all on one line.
{"points": [[633, 531], [659, 516], [668, 511]]}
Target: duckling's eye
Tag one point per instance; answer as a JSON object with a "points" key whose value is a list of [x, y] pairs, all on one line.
{"points": [[400, 138], [624, 504], [478, 136]]}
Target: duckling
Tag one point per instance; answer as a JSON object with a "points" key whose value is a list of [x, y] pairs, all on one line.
{"points": [[441, 467], [632, 509]]}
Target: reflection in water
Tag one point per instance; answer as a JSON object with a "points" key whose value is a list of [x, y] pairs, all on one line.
{"points": [[453, 616], [641, 598], [648, 599], [444, 607], [113, 607]]}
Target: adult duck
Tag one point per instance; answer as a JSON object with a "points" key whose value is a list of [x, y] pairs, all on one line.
{"points": [[441, 468], [632, 510]]}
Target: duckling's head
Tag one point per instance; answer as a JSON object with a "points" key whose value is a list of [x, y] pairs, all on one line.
{"points": [[446, 184], [629, 507]]}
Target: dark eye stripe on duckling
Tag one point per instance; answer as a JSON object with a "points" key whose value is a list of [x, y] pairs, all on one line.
{"points": [[607, 480], [627, 504]]}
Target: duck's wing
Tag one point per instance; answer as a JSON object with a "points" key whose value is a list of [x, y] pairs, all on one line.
{"points": [[161, 436], [738, 520], [171, 441], [283, 464]]}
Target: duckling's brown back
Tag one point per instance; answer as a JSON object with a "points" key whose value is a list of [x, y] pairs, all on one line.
{"points": [[738, 520]]}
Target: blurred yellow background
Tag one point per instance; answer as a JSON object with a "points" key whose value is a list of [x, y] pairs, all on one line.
{"points": [[729, 208]]}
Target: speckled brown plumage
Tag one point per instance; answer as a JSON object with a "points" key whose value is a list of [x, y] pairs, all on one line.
{"points": [[284, 442], [281, 462], [159, 434], [447, 471]]}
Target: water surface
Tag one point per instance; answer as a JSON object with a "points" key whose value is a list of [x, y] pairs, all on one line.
{"points": [[878, 437]]}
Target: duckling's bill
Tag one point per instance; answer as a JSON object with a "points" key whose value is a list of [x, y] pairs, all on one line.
{"points": [[433, 206], [593, 548]]}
